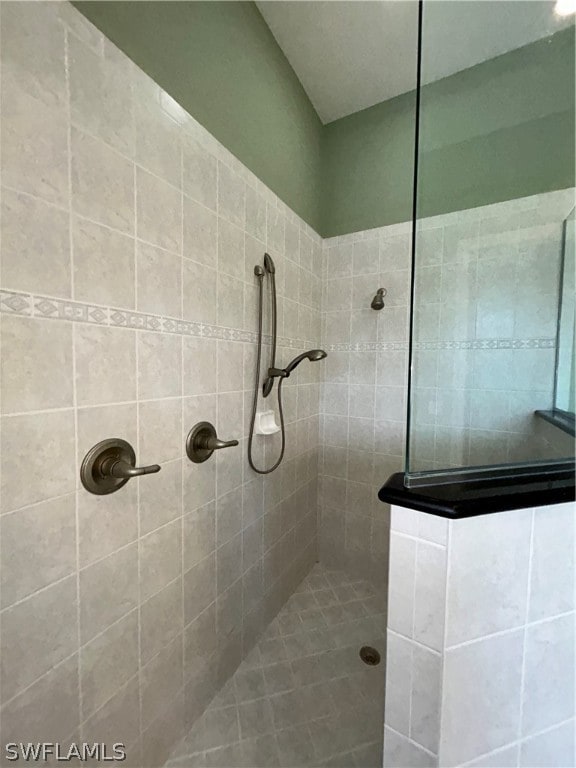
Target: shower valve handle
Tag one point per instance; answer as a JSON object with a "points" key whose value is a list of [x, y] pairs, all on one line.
{"points": [[109, 465], [202, 441], [214, 443], [124, 471]]}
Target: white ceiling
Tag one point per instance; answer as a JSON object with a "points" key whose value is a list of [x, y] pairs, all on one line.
{"points": [[352, 54]]}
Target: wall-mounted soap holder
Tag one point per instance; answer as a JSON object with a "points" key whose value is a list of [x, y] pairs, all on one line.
{"points": [[265, 423], [109, 465]]}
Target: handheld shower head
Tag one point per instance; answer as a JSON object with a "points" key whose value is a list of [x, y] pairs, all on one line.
{"points": [[282, 373], [316, 354], [312, 354]]}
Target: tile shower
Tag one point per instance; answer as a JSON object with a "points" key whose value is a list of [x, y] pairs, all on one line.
{"points": [[363, 397], [187, 615], [480, 371], [128, 303]]}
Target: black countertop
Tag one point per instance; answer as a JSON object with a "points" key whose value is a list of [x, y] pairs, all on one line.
{"points": [[470, 498]]}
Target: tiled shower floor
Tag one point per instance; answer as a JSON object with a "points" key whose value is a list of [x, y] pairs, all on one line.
{"points": [[302, 697]]}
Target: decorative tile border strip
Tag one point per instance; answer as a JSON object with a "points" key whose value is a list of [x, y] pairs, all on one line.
{"points": [[30, 305], [375, 346], [367, 346], [488, 344]]}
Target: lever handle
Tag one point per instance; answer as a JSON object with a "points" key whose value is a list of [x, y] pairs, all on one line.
{"points": [[124, 471], [214, 443], [109, 465], [202, 441]]}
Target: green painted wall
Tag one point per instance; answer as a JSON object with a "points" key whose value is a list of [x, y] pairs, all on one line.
{"points": [[499, 130], [220, 61], [368, 161]]}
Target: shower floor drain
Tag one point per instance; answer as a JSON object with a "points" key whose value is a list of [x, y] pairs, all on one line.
{"points": [[369, 655]]}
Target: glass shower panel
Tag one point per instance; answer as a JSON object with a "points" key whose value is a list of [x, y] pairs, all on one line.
{"points": [[494, 182], [565, 389]]}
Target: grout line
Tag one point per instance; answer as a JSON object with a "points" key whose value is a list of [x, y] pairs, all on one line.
{"points": [[41, 677], [1, 343], [38, 503], [74, 375], [447, 575], [518, 742], [45, 588], [526, 615], [66, 659], [415, 537], [110, 554], [117, 692], [516, 628], [184, 458], [417, 643], [136, 343], [414, 743], [412, 638]]}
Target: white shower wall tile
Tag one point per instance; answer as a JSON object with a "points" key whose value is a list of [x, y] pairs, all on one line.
{"points": [[110, 188], [498, 688], [552, 589], [429, 594], [549, 685], [555, 746], [490, 557], [494, 701], [401, 752]]}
